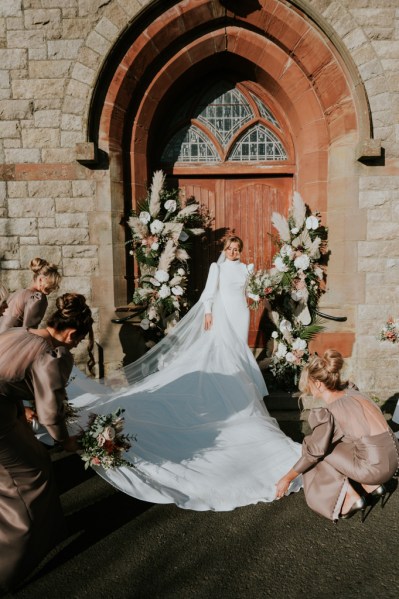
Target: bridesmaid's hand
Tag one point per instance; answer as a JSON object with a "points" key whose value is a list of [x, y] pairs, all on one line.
{"points": [[208, 322], [282, 487]]}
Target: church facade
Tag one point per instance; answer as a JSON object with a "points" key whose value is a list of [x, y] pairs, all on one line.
{"points": [[240, 103]]}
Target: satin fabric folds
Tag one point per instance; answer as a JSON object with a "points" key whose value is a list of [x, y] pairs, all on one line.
{"points": [[205, 440]]}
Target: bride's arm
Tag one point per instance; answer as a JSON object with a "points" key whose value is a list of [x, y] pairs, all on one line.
{"points": [[208, 295]]}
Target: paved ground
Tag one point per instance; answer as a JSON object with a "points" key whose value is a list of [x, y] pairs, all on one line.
{"points": [[121, 548]]}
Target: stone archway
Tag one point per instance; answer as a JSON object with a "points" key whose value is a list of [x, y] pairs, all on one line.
{"points": [[286, 53]]}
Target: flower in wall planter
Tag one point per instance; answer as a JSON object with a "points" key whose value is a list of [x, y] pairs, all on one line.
{"points": [[162, 229]]}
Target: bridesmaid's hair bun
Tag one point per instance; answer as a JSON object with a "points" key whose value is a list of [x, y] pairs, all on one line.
{"points": [[37, 264], [326, 369], [73, 313], [49, 272], [333, 361]]}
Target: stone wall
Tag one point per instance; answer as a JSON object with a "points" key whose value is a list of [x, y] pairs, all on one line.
{"points": [[51, 55]]}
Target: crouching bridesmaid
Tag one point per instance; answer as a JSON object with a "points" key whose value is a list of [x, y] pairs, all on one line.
{"points": [[34, 365], [351, 442]]}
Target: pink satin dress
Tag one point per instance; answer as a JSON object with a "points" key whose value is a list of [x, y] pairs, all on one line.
{"points": [[350, 440], [25, 308], [31, 519]]}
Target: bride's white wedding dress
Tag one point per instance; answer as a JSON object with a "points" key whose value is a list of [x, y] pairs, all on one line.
{"points": [[195, 404]]}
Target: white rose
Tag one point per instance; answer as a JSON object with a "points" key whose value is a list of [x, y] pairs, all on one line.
{"points": [[289, 357], [154, 246], [274, 334], [152, 313], [164, 292], [162, 276], [299, 344], [170, 205], [279, 264], [285, 326], [177, 290], [287, 250], [302, 262], [156, 226], [294, 230], [312, 222], [281, 350], [297, 295], [318, 272], [181, 272], [100, 440], [109, 433], [155, 282], [131, 252], [144, 217], [145, 324]]}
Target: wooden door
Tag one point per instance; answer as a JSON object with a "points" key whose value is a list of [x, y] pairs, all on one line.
{"points": [[245, 206]]}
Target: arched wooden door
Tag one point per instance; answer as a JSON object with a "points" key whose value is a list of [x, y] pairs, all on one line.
{"points": [[228, 147]]}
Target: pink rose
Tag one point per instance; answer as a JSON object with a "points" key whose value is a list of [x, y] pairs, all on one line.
{"points": [[100, 440]]}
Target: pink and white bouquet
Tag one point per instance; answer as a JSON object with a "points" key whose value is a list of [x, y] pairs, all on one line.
{"points": [[390, 331], [103, 443]]}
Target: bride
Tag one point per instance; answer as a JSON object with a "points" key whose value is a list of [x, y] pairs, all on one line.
{"points": [[204, 438]]}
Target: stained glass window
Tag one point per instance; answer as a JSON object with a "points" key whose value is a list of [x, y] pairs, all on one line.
{"points": [[264, 111], [224, 112], [190, 144], [258, 143]]}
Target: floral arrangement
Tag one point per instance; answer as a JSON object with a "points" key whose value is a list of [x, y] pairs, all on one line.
{"points": [[293, 287], [103, 443], [390, 331], [162, 228]]}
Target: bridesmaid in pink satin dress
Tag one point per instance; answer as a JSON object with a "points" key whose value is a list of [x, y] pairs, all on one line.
{"points": [[34, 365], [351, 441]]}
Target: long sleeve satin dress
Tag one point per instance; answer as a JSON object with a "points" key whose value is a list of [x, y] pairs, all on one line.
{"points": [[25, 308], [351, 440], [205, 440], [31, 519]]}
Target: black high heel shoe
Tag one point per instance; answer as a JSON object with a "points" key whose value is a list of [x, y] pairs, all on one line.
{"points": [[380, 492], [359, 506]]}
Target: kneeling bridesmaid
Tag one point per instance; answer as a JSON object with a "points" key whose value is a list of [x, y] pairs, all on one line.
{"points": [[350, 441]]}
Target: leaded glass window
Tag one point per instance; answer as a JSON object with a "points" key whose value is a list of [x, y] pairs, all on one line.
{"points": [[190, 144], [264, 111], [258, 143], [224, 112]]}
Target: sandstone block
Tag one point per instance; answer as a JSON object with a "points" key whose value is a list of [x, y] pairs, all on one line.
{"points": [[71, 220], [4, 79], [38, 88], [21, 155], [53, 69], [107, 29], [43, 19], [68, 236], [18, 226], [15, 109], [83, 74], [353, 37], [386, 48], [81, 266], [5, 94], [13, 59], [78, 284], [49, 189], [58, 155], [382, 230], [3, 191], [31, 207], [25, 39], [71, 122], [9, 264], [74, 105], [98, 43], [42, 137], [69, 139], [64, 49], [48, 252], [45, 223], [74, 205], [84, 251], [9, 129], [47, 118], [132, 7], [28, 240], [10, 8], [83, 188], [370, 69], [37, 53]]}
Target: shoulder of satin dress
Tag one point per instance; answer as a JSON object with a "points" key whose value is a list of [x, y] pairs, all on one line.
{"points": [[319, 416]]}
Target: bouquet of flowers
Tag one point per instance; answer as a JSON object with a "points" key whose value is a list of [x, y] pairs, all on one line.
{"points": [[103, 443], [390, 331], [162, 228], [260, 286]]}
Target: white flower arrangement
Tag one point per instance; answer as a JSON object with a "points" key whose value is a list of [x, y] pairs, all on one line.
{"points": [[161, 228]]}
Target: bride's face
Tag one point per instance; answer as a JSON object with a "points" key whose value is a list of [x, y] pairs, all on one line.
{"points": [[233, 251]]}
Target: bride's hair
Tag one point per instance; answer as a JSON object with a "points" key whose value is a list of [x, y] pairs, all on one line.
{"points": [[233, 239], [73, 313], [326, 369]]}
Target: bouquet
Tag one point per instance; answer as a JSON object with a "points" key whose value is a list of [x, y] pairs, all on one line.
{"points": [[259, 287], [390, 331], [103, 443]]}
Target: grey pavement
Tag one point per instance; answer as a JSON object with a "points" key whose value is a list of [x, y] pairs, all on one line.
{"points": [[122, 548]]}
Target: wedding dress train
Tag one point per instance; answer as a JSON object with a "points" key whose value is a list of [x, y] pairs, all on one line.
{"points": [[204, 438]]}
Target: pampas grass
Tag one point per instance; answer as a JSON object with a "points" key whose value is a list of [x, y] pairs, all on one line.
{"points": [[154, 204]]}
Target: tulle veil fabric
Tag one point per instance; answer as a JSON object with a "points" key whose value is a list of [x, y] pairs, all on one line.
{"points": [[205, 440]]}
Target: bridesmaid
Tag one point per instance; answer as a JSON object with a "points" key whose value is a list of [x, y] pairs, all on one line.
{"points": [[34, 365], [351, 441], [26, 307]]}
